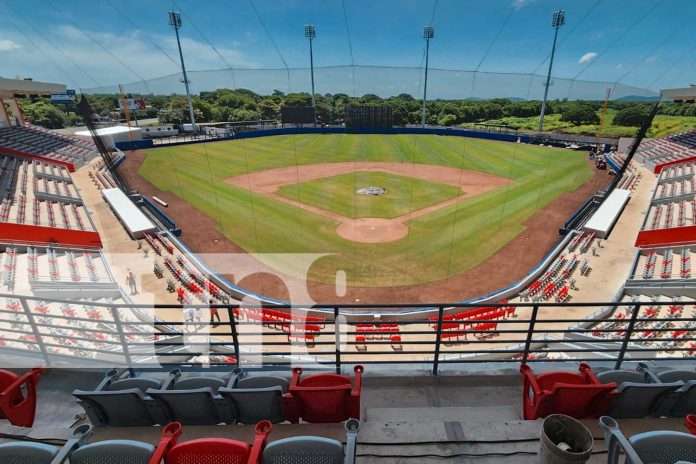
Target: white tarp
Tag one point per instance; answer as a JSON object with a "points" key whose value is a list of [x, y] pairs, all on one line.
{"points": [[606, 216], [135, 222]]}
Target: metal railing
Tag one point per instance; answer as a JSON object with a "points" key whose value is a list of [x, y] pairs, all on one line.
{"points": [[77, 333]]}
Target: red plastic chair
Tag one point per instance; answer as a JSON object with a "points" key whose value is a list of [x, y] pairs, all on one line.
{"points": [[323, 398], [17, 407], [217, 450], [581, 396], [690, 423]]}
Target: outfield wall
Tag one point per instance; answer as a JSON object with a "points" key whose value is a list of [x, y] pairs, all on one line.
{"points": [[142, 144]]}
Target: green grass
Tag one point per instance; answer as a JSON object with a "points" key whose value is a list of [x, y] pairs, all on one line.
{"points": [[662, 125], [447, 241], [337, 194]]}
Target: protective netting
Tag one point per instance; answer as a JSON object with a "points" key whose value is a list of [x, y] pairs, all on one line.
{"points": [[382, 81]]}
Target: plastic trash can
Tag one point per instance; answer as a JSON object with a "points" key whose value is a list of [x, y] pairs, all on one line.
{"points": [[564, 440]]}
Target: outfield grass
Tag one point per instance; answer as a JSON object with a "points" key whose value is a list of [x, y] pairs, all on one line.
{"points": [[337, 194], [439, 244]]}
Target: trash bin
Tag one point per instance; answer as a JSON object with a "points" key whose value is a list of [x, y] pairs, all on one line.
{"points": [[564, 440]]}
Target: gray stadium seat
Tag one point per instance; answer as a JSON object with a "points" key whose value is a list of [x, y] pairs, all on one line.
{"points": [[251, 405], [313, 450], [198, 406], [27, 453], [113, 452], [120, 402], [683, 400], [649, 447], [635, 396]]}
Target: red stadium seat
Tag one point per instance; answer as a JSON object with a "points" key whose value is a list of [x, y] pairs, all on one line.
{"points": [[690, 423], [581, 396], [15, 405], [211, 450], [323, 398]]}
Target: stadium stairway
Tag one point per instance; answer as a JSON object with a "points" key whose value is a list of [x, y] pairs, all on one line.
{"points": [[407, 417]]}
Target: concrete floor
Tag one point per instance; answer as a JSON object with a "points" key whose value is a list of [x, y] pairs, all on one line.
{"points": [[407, 417]]}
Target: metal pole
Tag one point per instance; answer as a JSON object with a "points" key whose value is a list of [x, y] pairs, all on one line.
{"points": [[628, 335], [438, 339], [558, 21], [235, 335], [425, 80], [35, 330], [530, 334], [183, 71], [122, 338], [337, 341], [311, 69]]}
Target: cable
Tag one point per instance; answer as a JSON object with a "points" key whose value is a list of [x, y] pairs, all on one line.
{"points": [[667, 69], [7, 5], [270, 37], [90, 37], [619, 38], [454, 223], [490, 46], [350, 44], [647, 55], [188, 18], [118, 10], [432, 17]]}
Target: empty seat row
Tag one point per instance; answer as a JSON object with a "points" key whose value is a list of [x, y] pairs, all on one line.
{"points": [[620, 393], [300, 450], [201, 400]]}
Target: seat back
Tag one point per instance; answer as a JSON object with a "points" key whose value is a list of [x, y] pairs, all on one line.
{"points": [[635, 398], [252, 405], [209, 451], [323, 404], [263, 381], [136, 382], [18, 396], [664, 446], [113, 452], [27, 453], [577, 401], [121, 408], [189, 407], [194, 383], [304, 450]]}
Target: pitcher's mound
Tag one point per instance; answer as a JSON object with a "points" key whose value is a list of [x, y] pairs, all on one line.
{"points": [[372, 230]]}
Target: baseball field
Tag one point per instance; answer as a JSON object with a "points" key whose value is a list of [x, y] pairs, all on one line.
{"points": [[449, 203]]}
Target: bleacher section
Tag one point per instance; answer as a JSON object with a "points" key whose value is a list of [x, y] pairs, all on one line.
{"points": [[656, 154], [40, 203], [36, 142]]}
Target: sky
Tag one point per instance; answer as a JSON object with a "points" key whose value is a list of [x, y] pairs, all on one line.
{"points": [[87, 44]]}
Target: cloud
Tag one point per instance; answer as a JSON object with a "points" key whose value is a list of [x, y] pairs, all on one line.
{"points": [[519, 4], [589, 56], [619, 66], [7, 45]]}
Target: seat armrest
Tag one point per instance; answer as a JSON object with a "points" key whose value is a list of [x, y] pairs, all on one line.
{"points": [[352, 429], [109, 377], [174, 375], [650, 374], [263, 429], [617, 442], [237, 374], [295, 381], [170, 434], [79, 436], [529, 380], [31, 378], [359, 369]]}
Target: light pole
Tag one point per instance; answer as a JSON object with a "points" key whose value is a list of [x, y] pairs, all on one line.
{"points": [[175, 22], [428, 33], [557, 21], [310, 32]]}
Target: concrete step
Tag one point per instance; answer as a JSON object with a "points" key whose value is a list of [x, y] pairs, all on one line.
{"points": [[443, 414]]}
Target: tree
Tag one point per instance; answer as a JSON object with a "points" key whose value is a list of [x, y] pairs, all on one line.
{"points": [[447, 120], [580, 114], [45, 115], [631, 116]]}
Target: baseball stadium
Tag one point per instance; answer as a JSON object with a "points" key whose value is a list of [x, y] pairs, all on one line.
{"points": [[278, 242]]}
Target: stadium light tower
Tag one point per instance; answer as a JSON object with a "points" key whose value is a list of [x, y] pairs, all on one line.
{"points": [[175, 22], [310, 32], [557, 21], [428, 33]]}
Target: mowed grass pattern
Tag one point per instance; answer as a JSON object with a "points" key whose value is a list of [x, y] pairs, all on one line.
{"points": [[338, 194], [445, 242]]}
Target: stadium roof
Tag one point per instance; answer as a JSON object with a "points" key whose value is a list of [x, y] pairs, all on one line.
{"points": [[12, 87]]}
